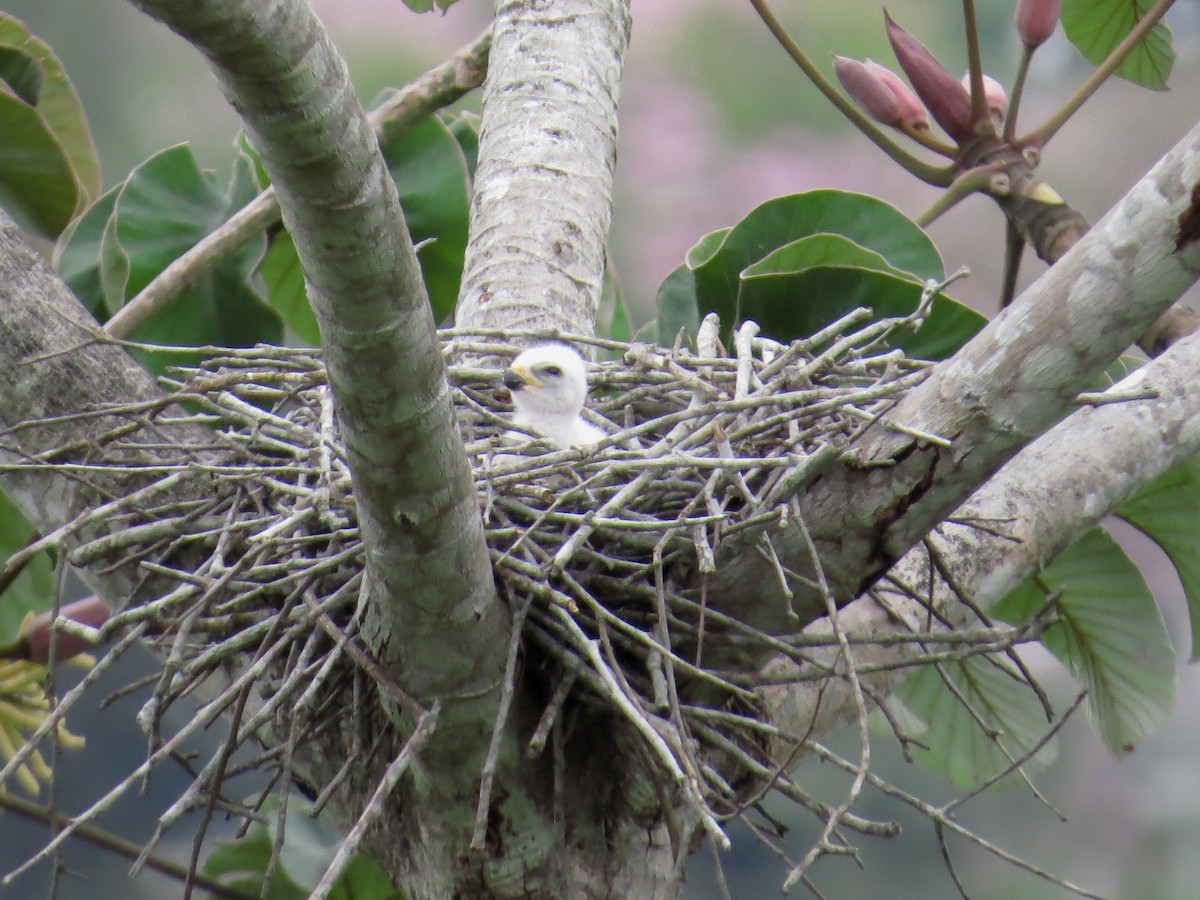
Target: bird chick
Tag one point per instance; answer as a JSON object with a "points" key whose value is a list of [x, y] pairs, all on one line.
{"points": [[549, 385]]}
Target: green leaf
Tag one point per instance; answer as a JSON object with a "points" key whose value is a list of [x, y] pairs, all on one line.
{"points": [[33, 589], [37, 185], [22, 74], [1168, 512], [261, 179], [867, 221], [431, 176], [677, 310], [308, 848], [77, 255], [797, 263], [789, 306], [426, 5], [958, 747], [431, 173], [818, 250], [706, 248], [1095, 27], [464, 126], [59, 107], [612, 319], [1109, 634], [164, 207], [1120, 367], [283, 282], [247, 859]]}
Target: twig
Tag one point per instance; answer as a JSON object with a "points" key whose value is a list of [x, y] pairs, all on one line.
{"points": [[375, 806], [440, 86]]}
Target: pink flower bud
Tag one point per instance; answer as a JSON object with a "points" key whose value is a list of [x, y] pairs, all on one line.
{"points": [[868, 90], [912, 111], [1036, 20], [945, 98], [994, 95], [36, 635]]}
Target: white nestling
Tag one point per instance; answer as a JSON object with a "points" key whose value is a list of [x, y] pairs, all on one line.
{"points": [[549, 385]]}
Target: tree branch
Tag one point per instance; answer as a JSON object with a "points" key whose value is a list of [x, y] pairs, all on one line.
{"points": [[440, 86], [54, 365], [1053, 491], [433, 617], [1001, 390], [547, 150]]}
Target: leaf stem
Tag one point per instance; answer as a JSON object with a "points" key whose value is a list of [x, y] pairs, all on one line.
{"points": [[930, 174], [128, 849], [1041, 136], [979, 113], [969, 182], [1014, 248], [1018, 88]]}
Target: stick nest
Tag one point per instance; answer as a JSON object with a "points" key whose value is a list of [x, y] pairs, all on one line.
{"points": [[603, 553]]}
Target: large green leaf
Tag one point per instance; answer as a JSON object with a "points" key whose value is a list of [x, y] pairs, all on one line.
{"points": [[612, 319], [431, 176], [793, 305], [59, 106], [48, 165], [431, 173], [464, 125], [33, 589], [1109, 633], [242, 865], [427, 5], [37, 185], [797, 263], [21, 74], [707, 247], [867, 221], [131, 234], [958, 747], [77, 255], [1095, 27], [1168, 512], [677, 310], [818, 250]]}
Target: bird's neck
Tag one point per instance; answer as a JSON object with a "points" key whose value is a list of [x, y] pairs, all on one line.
{"points": [[557, 426]]}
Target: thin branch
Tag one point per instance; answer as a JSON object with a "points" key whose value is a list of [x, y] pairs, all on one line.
{"points": [[376, 805], [439, 87], [936, 175], [131, 851], [1041, 135], [432, 603]]}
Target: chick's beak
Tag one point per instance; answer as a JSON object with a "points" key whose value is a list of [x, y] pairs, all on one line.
{"points": [[514, 379]]}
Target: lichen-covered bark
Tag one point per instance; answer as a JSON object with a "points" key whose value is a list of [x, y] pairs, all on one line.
{"points": [[433, 613], [54, 364], [1050, 493], [990, 399], [547, 149]]}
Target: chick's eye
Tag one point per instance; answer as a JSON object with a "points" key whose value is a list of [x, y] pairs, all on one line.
{"points": [[552, 371]]}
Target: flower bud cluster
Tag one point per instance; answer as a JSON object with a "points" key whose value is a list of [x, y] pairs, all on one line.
{"points": [[934, 92]]}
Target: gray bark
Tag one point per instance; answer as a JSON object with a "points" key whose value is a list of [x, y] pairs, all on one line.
{"points": [[433, 612], [439, 628], [1053, 491], [547, 150], [1006, 386], [58, 365]]}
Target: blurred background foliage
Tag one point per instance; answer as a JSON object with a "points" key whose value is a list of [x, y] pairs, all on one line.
{"points": [[716, 121]]}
